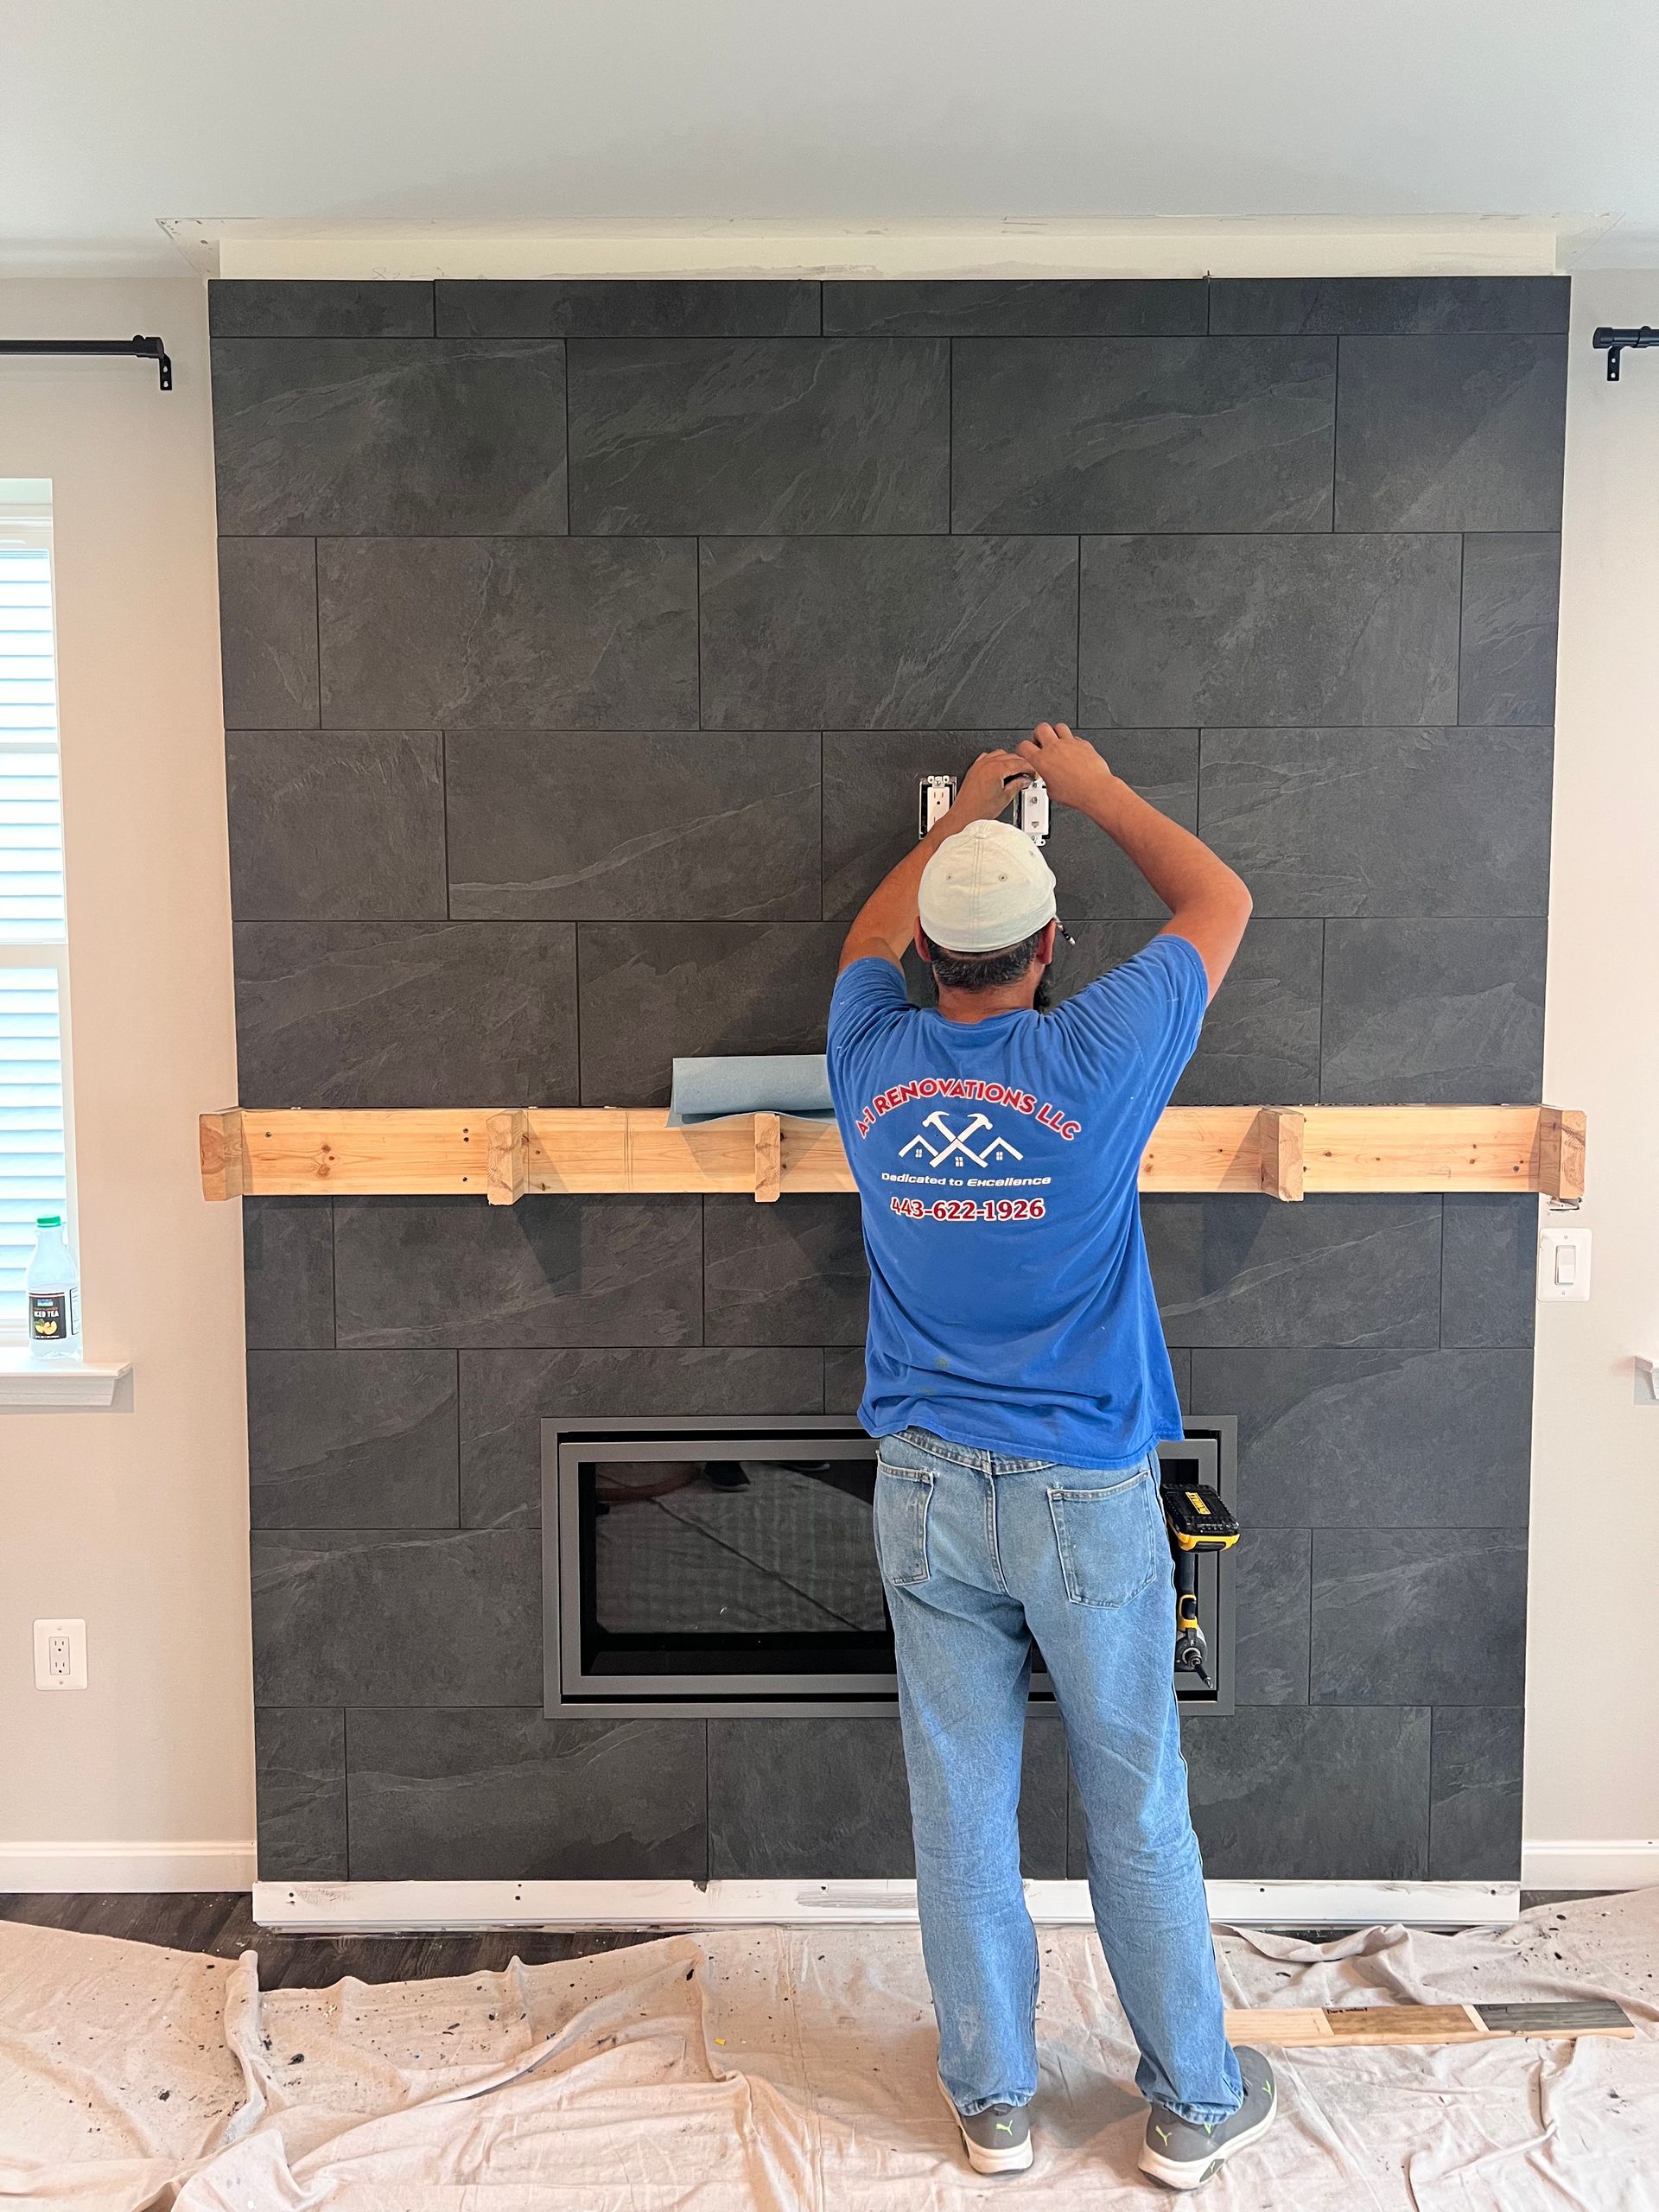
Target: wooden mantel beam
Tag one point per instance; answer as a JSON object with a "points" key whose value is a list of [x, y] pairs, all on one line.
{"points": [[504, 1154]]}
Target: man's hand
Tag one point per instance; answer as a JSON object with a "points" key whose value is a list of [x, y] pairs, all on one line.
{"points": [[986, 790], [1073, 771], [1208, 905], [886, 920]]}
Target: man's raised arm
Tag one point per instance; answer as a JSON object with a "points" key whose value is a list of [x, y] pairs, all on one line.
{"points": [[886, 922], [1207, 904]]}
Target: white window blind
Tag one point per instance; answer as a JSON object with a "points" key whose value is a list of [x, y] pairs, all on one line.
{"points": [[34, 975]]}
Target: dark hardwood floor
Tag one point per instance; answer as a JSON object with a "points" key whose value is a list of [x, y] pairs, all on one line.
{"points": [[220, 1924]]}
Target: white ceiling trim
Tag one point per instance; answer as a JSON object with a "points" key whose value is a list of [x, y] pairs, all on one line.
{"points": [[1404, 245]]}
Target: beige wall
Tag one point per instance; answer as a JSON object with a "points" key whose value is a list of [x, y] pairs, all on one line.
{"points": [[1593, 1690], [136, 1518]]}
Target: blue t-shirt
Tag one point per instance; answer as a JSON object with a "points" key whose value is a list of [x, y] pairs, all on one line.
{"points": [[1011, 1305]]}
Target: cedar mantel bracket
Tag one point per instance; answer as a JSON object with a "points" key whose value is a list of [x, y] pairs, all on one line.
{"points": [[504, 1154]]}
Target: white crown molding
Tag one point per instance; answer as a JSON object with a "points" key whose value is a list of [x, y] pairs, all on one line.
{"points": [[81, 1868], [1011, 247], [382, 1907]]}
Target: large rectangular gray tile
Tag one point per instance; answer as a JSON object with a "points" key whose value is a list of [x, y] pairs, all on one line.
{"points": [[1381, 822], [1260, 1036], [785, 1274], [1419, 1616], [809, 1799], [504, 1794], [889, 633], [711, 307], [300, 1790], [406, 1013], [477, 632], [548, 1271], [353, 1440], [376, 437], [1413, 306], [287, 1272], [414, 1616], [265, 307], [742, 436], [1474, 1828], [1237, 1273], [1511, 590], [1299, 631], [693, 827], [1043, 306], [843, 1377], [1275, 1572], [1450, 433], [653, 990], [870, 783], [1489, 1269], [1130, 434], [1369, 1440], [267, 633], [506, 1395], [1325, 1793], [1437, 1013], [331, 825]]}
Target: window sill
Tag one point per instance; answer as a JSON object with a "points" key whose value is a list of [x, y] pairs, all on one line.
{"points": [[28, 1385]]}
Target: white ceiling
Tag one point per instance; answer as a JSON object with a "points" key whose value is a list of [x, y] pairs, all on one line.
{"points": [[335, 113]]}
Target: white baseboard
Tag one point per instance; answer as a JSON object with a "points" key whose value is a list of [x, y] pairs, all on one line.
{"points": [[378, 1907], [1620, 1863], [125, 1867]]}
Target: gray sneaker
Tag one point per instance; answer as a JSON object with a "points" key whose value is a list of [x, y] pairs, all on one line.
{"points": [[1184, 2154], [997, 2140]]}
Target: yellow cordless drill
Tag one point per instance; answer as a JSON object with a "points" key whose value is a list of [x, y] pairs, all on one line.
{"points": [[1197, 1522]]}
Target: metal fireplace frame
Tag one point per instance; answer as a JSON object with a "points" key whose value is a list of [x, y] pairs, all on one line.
{"points": [[569, 1692]]}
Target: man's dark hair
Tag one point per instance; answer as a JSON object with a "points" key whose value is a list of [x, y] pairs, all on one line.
{"points": [[986, 971]]}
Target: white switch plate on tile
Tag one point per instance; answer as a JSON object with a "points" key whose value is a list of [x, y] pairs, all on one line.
{"points": [[1563, 1263]]}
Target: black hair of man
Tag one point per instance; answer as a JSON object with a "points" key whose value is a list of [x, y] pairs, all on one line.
{"points": [[987, 971]]}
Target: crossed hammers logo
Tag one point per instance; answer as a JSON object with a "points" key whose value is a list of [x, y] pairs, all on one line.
{"points": [[955, 1141]]}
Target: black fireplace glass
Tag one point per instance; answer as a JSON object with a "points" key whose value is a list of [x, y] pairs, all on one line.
{"points": [[729, 1566]]}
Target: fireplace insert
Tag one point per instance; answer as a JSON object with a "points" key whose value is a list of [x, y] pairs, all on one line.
{"points": [[726, 1566]]}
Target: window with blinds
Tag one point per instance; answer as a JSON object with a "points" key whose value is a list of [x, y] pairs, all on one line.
{"points": [[35, 1175]]}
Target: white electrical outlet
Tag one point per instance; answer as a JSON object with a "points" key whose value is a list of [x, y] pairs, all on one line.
{"points": [[1564, 1261], [59, 1655]]}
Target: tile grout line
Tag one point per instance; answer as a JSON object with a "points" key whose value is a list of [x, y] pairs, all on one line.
{"points": [[346, 1782], [1463, 571]]}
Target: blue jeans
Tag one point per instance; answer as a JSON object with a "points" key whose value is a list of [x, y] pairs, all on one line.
{"points": [[982, 1555]]}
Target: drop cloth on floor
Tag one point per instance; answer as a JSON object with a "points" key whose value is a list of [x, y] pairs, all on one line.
{"points": [[778, 2070]]}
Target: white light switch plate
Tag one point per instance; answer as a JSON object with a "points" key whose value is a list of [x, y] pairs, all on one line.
{"points": [[1563, 1263]]}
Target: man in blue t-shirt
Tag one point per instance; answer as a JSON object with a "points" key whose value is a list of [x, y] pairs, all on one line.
{"points": [[1017, 1379]]}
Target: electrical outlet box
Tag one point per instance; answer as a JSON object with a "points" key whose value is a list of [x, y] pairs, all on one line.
{"points": [[935, 796], [1031, 810], [59, 1655], [1563, 1262]]}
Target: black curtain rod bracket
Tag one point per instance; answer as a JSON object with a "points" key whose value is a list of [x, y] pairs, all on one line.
{"points": [[1613, 343], [140, 349]]}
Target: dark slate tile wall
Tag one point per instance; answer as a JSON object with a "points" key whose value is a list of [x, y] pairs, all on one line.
{"points": [[583, 645]]}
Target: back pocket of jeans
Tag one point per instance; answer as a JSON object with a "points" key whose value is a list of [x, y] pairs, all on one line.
{"points": [[1105, 1539], [902, 1498]]}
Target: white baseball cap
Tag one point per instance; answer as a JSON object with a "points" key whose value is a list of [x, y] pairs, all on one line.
{"points": [[985, 887]]}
